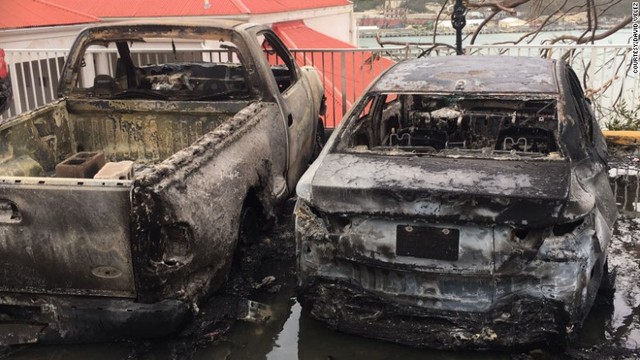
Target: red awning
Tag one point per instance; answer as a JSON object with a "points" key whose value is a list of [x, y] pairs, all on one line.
{"points": [[345, 73]]}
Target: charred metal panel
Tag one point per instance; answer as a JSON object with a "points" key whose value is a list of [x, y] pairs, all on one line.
{"points": [[470, 74], [467, 305], [374, 241], [145, 131], [66, 237], [187, 224], [481, 190], [42, 135], [348, 308], [54, 319]]}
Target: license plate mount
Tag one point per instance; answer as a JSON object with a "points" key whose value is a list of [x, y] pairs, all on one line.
{"points": [[428, 242]]}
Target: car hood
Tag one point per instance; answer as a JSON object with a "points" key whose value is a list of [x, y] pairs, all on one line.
{"points": [[532, 193]]}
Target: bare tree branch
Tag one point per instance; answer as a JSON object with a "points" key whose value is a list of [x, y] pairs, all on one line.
{"points": [[582, 40], [435, 26], [609, 6], [507, 6], [413, 43], [540, 28], [484, 22], [595, 21]]}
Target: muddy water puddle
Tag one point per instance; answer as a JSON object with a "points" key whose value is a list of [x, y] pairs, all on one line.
{"points": [[612, 329]]}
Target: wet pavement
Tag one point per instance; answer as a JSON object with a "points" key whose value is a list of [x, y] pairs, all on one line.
{"points": [[612, 329]]}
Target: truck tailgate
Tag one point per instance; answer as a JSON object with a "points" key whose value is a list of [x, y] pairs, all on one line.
{"points": [[65, 236]]}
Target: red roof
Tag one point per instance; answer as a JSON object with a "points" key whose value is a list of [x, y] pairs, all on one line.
{"points": [[29, 13], [152, 8], [360, 66], [274, 6], [144, 8], [297, 34]]}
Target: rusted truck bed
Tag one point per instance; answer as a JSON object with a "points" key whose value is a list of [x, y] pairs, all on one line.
{"points": [[71, 235], [34, 143]]}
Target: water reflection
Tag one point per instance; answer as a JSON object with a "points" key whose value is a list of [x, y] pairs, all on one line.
{"points": [[64, 352], [317, 342]]}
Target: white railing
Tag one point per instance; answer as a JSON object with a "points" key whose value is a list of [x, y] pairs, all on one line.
{"points": [[35, 74], [347, 72], [34, 77], [624, 176], [604, 69]]}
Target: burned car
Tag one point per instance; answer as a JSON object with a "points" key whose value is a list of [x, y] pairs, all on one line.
{"points": [[463, 203]]}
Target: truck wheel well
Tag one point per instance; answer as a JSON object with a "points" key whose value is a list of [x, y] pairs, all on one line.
{"points": [[252, 215], [252, 222], [250, 225], [251, 218]]}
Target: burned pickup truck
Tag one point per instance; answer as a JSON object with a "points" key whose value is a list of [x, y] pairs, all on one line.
{"points": [[463, 203], [121, 202]]}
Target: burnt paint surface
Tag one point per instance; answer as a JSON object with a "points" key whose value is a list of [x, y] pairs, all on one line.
{"points": [[365, 314], [46, 318], [533, 230], [177, 192], [470, 74], [506, 191], [83, 250]]}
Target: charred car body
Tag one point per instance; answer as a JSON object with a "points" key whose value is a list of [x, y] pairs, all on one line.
{"points": [[463, 203], [121, 202]]}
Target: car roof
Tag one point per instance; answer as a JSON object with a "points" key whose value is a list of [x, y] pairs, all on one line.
{"points": [[471, 74], [215, 23], [137, 29]]}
